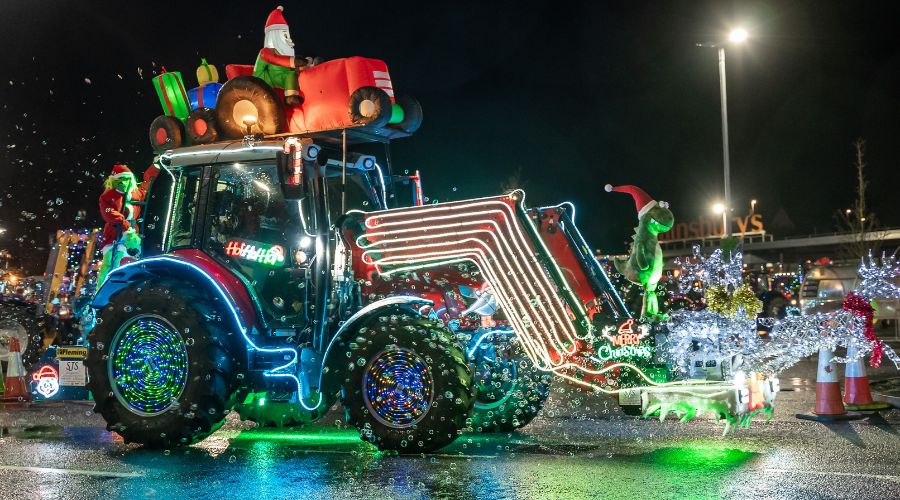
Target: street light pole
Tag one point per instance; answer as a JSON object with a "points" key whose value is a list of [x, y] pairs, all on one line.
{"points": [[726, 229]]}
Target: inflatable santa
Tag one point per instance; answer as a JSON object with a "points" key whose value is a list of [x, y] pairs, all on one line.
{"points": [[277, 63]]}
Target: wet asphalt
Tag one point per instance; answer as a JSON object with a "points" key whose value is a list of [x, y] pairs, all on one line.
{"points": [[581, 446]]}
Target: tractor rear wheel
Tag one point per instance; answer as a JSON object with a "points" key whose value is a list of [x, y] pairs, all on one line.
{"points": [[412, 113], [163, 364], [408, 387], [247, 103], [510, 389]]}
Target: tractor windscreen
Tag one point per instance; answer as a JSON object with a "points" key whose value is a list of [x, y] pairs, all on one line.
{"points": [[260, 235], [361, 191]]}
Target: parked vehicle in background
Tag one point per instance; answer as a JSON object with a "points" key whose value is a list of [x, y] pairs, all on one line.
{"points": [[825, 287]]}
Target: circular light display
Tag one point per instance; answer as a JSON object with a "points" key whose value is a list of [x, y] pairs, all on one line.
{"points": [[397, 387], [148, 365]]}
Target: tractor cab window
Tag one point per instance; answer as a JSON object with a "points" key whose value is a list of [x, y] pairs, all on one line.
{"points": [[361, 193], [186, 210], [255, 231]]}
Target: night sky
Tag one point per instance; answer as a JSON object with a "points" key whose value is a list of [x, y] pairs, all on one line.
{"points": [[570, 95]]}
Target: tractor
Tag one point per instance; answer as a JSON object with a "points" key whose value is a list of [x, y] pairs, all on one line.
{"points": [[254, 294]]}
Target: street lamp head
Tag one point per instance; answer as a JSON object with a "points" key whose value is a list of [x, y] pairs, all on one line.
{"points": [[718, 208], [738, 35]]}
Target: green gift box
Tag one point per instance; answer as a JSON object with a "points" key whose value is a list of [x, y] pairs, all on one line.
{"points": [[172, 96]]}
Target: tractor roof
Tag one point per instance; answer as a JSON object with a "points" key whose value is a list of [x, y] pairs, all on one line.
{"points": [[221, 152]]}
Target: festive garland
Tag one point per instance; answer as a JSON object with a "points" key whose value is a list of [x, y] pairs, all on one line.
{"points": [[863, 308]]}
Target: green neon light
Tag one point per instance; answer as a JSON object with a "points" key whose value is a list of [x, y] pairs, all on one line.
{"points": [[607, 352], [349, 436]]}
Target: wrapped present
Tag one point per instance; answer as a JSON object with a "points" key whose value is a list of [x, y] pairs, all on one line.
{"points": [[204, 96], [172, 96], [206, 73]]}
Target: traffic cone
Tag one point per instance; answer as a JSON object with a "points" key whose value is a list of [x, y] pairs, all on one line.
{"points": [[829, 406], [16, 388], [857, 395]]}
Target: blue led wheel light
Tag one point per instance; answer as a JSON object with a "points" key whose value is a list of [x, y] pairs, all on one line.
{"points": [[148, 365], [398, 388]]}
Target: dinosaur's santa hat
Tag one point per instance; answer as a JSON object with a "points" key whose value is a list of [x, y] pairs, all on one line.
{"points": [[642, 201]]}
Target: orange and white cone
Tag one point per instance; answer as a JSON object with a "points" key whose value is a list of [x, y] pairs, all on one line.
{"points": [[16, 388], [857, 395], [829, 406], [828, 391]]}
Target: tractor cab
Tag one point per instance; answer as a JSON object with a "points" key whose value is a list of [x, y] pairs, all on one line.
{"points": [[229, 203]]}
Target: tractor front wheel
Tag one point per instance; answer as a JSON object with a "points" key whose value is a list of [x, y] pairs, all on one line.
{"points": [[408, 387], [163, 364], [166, 132], [370, 106]]}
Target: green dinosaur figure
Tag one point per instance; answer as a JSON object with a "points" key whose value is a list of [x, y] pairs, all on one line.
{"points": [[644, 264]]}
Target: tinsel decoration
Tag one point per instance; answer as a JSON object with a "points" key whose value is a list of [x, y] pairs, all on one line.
{"points": [[743, 299], [717, 299], [863, 308]]}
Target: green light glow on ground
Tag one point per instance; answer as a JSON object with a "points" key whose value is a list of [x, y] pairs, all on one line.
{"points": [[317, 436], [700, 455]]}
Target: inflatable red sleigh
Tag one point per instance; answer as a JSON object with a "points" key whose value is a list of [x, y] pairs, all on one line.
{"points": [[353, 93]]}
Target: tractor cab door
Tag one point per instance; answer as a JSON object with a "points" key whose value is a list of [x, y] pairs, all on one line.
{"points": [[263, 238], [155, 215]]}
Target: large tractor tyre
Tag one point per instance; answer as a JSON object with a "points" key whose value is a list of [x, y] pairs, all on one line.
{"points": [[201, 126], [510, 390], [370, 106], [408, 387], [412, 113], [259, 408], [19, 321], [166, 132], [247, 103], [163, 364]]}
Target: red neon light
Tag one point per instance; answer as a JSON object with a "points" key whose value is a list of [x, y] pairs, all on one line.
{"points": [[270, 255], [626, 334], [46, 371]]}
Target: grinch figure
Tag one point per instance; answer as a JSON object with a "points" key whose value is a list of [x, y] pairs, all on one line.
{"points": [[277, 64], [644, 264], [120, 239]]}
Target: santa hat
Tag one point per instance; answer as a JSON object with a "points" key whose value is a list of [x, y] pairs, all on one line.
{"points": [[119, 171], [642, 201], [276, 20]]}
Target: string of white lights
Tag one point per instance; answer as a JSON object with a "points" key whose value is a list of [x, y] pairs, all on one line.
{"points": [[488, 233], [500, 250]]}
